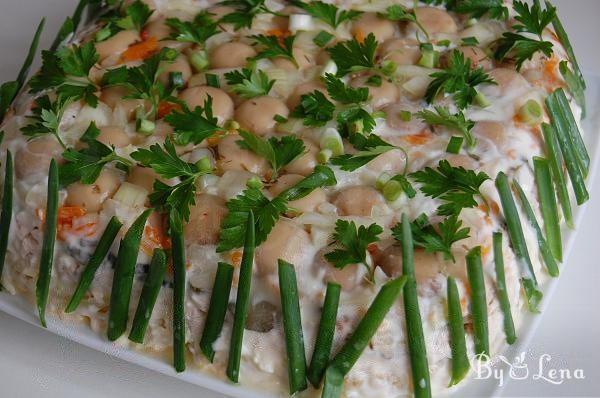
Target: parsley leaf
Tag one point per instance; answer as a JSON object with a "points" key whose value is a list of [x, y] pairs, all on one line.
{"points": [[197, 31], [328, 13], [136, 16], [427, 236], [478, 8], [245, 11], [457, 122], [86, 164], [46, 117], [274, 47], [193, 126], [531, 20], [459, 79], [249, 83], [368, 147], [315, 109], [454, 185], [352, 56], [278, 152], [266, 211], [353, 244], [343, 93]]}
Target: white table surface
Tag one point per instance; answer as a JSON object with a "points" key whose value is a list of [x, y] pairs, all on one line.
{"points": [[35, 362]]}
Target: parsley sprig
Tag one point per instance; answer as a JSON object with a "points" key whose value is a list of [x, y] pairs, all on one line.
{"points": [[398, 13], [532, 21], [275, 47], [433, 239], [328, 13], [455, 186], [478, 8], [193, 126], [315, 109], [369, 147], [354, 56], [459, 79], [353, 244], [249, 82], [266, 211], [245, 11], [67, 70], [46, 117], [134, 17], [279, 152], [197, 31], [457, 122], [166, 162]]}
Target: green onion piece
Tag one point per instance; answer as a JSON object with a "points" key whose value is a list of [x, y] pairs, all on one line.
{"points": [[145, 126], [242, 301], [481, 100], [47, 256], [515, 233], [322, 38], [6, 216], [212, 80], [543, 245], [414, 326], [458, 344], [217, 309], [199, 60], [150, 291], [178, 255], [341, 364], [324, 341], [478, 303], [123, 277], [549, 208], [574, 86], [69, 26], [87, 276], [455, 144], [292, 326], [392, 190], [531, 113], [509, 326], [556, 167]]}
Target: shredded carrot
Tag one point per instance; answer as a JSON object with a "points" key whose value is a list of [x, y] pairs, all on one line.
{"points": [[279, 33], [164, 108], [359, 35], [236, 258], [154, 238], [418, 139], [140, 51], [66, 215]]}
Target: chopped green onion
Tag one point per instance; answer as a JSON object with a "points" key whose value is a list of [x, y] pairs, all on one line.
{"points": [[458, 344], [292, 326], [405, 116], [515, 232], [217, 309], [332, 140], [481, 100], [509, 326], [280, 119], [150, 291], [455, 144], [416, 339], [531, 113], [556, 167], [374, 81], [87, 276], [199, 60], [242, 301], [469, 41], [548, 206], [429, 57], [543, 245], [47, 256], [254, 182], [120, 294], [478, 303], [178, 255], [145, 126], [324, 156], [392, 190], [212, 80], [6, 216], [204, 164], [574, 86], [322, 38], [324, 341], [69, 26], [341, 364], [388, 67], [382, 180]]}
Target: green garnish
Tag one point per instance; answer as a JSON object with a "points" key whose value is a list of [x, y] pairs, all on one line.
{"points": [[178, 256], [469, 42], [212, 80], [456, 122], [42, 286], [292, 327], [274, 47], [315, 109], [398, 13], [70, 25], [455, 144], [456, 186], [193, 126], [352, 245], [509, 326], [7, 210], [323, 38], [249, 83], [197, 31], [328, 13], [46, 117], [532, 21], [368, 148], [427, 236], [456, 325], [353, 56], [460, 79], [217, 309], [135, 17], [245, 11], [548, 206], [478, 8], [478, 304], [396, 186]]}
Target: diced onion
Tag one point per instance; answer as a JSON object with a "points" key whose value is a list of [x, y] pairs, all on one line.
{"points": [[330, 67], [300, 22], [131, 195]]}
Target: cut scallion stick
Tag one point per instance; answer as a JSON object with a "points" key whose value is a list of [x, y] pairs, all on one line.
{"points": [[555, 160], [217, 309], [478, 303], [455, 144], [69, 26], [543, 245], [414, 326], [324, 341], [120, 294], [87, 276], [509, 326], [47, 256], [242, 301], [150, 291], [548, 206], [345, 359], [515, 233], [458, 344], [292, 326], [6, 216], [212, 80], [178, 255]]}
